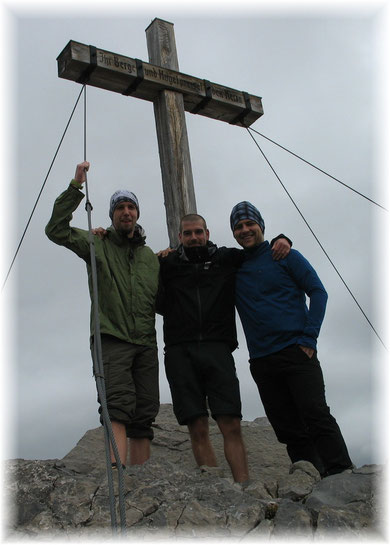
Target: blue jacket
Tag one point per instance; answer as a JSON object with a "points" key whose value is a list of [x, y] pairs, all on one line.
{"points": [[271, 301]]}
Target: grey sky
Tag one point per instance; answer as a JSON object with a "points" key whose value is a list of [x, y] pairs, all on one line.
{"points": [[319, 73]]}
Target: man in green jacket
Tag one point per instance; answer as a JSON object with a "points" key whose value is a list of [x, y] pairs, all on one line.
{"points": [[128, 274]]}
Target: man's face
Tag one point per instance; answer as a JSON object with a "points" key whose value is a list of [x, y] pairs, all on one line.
{"points": [[248, 233], [193, 233], [125, 217]]}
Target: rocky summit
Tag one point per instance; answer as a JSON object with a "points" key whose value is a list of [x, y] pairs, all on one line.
{"points": [[170, 498]]}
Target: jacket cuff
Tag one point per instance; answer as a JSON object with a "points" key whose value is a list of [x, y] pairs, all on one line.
{"points": [[76, 184], [307, 341], [281, 236]]}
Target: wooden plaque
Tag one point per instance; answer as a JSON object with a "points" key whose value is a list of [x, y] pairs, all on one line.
{"points": [[133, 77]]}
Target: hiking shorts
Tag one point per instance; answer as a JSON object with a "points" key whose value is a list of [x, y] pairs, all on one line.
{"points": [[131, 382], [202, 375]]}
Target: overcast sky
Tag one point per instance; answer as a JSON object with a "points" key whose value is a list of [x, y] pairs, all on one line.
{"points": [[320, 74]]}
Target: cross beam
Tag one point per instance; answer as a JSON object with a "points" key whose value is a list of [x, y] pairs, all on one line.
{"points": [[172, 92], [140, 79]]}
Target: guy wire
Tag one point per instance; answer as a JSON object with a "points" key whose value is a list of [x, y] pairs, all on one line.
{"points": [[43, 185], [99, 367], [315, 236], [317, 168]]}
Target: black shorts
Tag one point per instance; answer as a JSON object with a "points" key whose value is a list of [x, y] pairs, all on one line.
{"points": [[202, 375]]}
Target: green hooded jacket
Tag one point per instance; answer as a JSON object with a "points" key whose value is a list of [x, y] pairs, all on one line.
{"points": [[127, 271]]}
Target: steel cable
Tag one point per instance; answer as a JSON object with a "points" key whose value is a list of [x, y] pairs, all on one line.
{"points": [[317, 168], [99, 367], [43, 185], [318, 241]]}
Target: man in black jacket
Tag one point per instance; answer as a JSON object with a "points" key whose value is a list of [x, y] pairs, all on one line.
{"points": [[200, 336]]}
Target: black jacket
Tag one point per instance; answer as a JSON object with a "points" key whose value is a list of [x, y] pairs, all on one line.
{"points": [[198, 294]]}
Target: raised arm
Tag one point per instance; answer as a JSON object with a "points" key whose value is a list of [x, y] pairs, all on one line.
{"points": [[58, 230]]}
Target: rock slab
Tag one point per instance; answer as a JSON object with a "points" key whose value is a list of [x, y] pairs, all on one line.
{"points": [[170, 498]]}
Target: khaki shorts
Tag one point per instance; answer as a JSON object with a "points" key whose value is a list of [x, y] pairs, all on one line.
{"points": [[131, 383]]}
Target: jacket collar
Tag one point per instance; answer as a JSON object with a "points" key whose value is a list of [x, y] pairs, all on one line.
{"points": [[211, 248], [250, 253]]}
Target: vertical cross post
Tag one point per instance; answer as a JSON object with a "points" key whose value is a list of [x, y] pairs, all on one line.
{"points": [[175, 160]]}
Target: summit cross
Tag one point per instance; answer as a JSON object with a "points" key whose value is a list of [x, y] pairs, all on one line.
{"points": [[172, 93]]}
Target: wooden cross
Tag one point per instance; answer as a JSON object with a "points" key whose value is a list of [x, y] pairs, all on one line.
{"points": [[172, 93]]}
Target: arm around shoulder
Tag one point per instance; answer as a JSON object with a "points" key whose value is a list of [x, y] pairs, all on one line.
{"points": [[280, 247]]}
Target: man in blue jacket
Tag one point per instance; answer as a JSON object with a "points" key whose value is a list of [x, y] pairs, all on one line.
{"points": [[281, 334]]}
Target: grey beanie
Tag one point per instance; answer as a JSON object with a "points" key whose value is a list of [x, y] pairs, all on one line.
{"points": [[246, 211], [122, 195]]}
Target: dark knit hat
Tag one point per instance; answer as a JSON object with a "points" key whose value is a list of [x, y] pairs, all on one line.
{"points": [[122, 195], [246, 211]]}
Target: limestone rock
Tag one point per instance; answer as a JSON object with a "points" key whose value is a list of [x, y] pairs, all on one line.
{"points": [[293, 519], [170, 498], [299, 482]]}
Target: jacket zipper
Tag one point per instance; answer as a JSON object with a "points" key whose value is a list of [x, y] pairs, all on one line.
{"points": [[199, 303]]}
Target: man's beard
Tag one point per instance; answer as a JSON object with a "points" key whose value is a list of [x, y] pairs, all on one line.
{"points": [[126, 231]]}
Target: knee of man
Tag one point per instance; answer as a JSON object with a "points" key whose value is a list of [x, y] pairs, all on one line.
{"points": [[229, 425], [199, 429]]}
